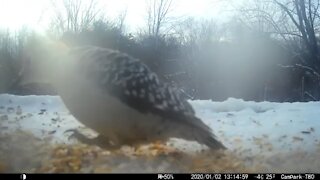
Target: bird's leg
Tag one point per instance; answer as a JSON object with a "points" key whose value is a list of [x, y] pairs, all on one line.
{"points": [[104, 142], [80, 137], [100, 140]]}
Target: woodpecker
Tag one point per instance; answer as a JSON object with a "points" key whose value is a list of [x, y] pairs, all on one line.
{"points": [[117, 95]]}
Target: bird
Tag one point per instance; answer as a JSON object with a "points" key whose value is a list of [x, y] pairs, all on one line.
{"points": [[116, 95]]}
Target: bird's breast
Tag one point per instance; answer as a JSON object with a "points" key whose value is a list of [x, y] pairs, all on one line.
{"points": [[104, 113]]}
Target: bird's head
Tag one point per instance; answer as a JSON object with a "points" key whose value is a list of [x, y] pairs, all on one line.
{"points": [[42, 59]]}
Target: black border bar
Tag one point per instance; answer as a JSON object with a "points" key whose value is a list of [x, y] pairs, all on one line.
{"points": [[164, 176]]}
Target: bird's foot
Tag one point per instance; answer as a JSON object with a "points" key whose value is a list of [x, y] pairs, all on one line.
{"points": [[100, 141], [75, 134]]}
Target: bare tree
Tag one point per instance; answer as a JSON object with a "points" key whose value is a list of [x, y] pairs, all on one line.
{"points": [[303, 15], [297, 22], [74, 15], [289, 20], [158, 15], [11, 46], [121, 20]]}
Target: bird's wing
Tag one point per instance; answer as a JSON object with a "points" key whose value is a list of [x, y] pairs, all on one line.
{"points": [[133, 83]]}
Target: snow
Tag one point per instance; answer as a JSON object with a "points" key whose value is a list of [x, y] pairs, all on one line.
{"points": [[44, 116], [246, 128], [285, 126]]}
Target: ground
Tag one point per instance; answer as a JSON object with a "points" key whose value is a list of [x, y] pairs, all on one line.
{"points": [[260, 137]]}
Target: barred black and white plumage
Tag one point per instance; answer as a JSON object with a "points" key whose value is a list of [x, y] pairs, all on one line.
{"points": [[134, 84], [123, 100]]}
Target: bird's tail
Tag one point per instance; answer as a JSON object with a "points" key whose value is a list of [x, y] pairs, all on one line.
{"points": [[204, 135], [212, 143]]}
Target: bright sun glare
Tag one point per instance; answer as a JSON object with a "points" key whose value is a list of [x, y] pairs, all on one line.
{"points": [[17, 13]]}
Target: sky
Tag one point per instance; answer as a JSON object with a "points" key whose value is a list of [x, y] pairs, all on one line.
{"points": [[36, 13]]}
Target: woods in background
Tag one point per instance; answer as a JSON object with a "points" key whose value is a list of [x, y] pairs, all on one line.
{"points": [[268, 51]]}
